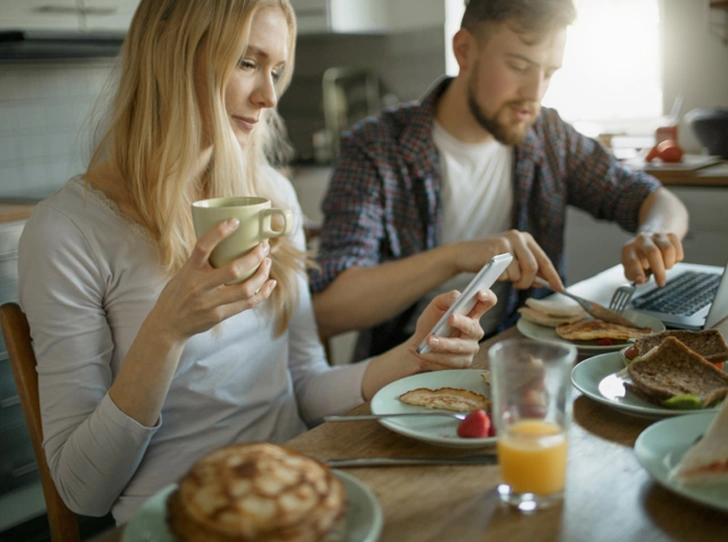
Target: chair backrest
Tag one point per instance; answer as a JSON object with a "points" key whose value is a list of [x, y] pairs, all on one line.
{"points": [[63, 522]]}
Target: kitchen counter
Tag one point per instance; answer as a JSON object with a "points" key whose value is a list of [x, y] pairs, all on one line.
{"points": [[715, 175], [11, 212]]}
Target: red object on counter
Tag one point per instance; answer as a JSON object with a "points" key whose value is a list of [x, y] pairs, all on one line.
{"points": [[663, 133], [667, 151]]}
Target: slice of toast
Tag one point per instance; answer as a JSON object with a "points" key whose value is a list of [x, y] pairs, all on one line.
{"points": [[673, 369], [709, 343]]}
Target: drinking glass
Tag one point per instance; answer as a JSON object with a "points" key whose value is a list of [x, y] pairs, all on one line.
{"points": [[531, 394]]}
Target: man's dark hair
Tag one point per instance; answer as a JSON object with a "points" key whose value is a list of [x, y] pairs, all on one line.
{"points": [[538, 16]]}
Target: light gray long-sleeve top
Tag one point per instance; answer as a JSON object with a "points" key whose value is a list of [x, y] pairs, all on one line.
{"points": [[88, 278]]}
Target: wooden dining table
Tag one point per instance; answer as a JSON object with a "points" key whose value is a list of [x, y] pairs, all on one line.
{"points": [[608, 497]]}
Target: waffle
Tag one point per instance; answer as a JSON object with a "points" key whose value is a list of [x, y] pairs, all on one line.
{"points": [[254, 492]]}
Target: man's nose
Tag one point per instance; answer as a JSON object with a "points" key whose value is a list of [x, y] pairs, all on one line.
{"points": [[535, 86]]}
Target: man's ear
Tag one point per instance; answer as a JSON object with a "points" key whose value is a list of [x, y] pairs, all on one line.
{"points": [[464, 47]]}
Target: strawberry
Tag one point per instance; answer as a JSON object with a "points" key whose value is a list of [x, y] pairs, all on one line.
{"points": [[475, 425], [491, 431]]}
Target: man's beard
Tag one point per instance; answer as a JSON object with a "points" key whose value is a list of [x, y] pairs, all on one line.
{"points": [[508, 135]]}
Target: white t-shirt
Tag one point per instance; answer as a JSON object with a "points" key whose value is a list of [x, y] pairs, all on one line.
{"points": [[477, 200]]}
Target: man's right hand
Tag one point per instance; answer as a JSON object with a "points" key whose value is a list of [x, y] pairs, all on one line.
{"points": [[529, 259]]}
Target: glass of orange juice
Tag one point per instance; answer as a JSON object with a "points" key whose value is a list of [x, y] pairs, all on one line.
{"points": [[531, 394]]}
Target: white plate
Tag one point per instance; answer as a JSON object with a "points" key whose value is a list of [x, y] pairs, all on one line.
{"points": [[661, 446], [364, 519], [597, 378], [539, 332], [433, 429]]}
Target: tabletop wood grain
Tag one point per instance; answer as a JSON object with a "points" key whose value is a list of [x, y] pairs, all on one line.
{"points": [[609, 496]]}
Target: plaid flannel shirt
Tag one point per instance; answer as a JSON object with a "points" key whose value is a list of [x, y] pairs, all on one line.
{"points": [[384, 203]]}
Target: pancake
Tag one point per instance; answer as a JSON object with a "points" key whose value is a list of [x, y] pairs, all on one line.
{"points": [[589, 330], [454, 399], [255, 492], [548, 320], [559, 309]]}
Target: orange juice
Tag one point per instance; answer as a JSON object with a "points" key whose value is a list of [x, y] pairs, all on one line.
{"points": [[532, 457]]}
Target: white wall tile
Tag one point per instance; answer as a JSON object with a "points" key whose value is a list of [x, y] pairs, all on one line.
{"points": [[33, 147], [44, 123], [11, 179], [30, 118], [8, 149]]}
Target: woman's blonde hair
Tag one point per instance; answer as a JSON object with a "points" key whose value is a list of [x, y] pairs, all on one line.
{"points": [[155, 129]]}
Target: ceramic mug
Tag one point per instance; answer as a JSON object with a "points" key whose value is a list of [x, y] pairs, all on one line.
{"points": [[254, 214]]}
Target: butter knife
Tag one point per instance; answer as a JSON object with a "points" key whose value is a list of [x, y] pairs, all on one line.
{"points": [[595, 309], [484, 459]]}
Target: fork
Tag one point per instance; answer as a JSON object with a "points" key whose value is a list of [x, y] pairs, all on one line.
{"points": [[623, 295], [595, 309]]}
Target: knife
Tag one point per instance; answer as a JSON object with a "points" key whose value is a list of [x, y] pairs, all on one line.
{"points": [[595, 309], [484, 459]]}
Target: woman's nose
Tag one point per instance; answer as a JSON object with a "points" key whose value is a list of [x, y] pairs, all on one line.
{"points": [[265, 94]]}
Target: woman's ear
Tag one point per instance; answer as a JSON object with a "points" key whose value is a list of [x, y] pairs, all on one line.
{"points": [[463, 47]]}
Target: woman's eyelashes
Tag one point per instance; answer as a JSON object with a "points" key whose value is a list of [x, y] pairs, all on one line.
{"points": [[247, 65]]}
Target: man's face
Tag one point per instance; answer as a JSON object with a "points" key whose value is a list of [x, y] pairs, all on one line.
{"points": [[510, 75]]}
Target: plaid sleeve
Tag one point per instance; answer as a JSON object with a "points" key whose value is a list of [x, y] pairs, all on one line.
{"points": [[353, 208], [600, 185]]}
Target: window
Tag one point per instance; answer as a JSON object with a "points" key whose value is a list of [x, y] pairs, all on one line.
{"points": [[610, 79]]}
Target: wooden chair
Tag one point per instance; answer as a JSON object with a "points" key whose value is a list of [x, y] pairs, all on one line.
{"points": [[63, 522]]}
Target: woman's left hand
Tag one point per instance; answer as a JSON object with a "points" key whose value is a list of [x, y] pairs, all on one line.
{"points": [[456, 351]]}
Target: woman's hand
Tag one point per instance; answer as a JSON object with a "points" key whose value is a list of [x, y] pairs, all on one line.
{"points": [[198, 297], [456, 351]]}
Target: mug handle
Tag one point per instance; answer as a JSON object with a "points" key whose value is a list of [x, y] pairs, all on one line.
{"points": [[285, 214]]}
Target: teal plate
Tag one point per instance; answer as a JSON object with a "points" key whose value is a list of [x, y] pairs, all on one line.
{"points": [[597, 378], [436, 430], [661, 446], [364, 518]]}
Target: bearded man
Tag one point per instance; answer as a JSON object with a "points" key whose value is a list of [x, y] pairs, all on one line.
{"points": [[424, 194]]}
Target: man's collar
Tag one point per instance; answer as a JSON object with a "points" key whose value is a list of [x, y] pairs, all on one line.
{"points": [[414, 145]]}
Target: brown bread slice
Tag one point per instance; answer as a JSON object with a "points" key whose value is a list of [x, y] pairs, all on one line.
{"points": [[674, 369], [709, 343]]}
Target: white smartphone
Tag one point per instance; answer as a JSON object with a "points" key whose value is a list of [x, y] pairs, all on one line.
{"points": [[485, 278]]}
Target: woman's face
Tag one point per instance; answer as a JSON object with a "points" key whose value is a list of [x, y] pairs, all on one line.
{"points": [[252, 85]]}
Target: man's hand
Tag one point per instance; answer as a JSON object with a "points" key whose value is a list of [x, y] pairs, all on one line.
{"points": [[529, 259], [657, 252]]}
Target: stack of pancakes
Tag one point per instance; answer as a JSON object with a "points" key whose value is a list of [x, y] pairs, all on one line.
{"points": [[254, 492], [551, 313]]}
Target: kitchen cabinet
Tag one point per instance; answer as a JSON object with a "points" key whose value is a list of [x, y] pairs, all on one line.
{"points": [[113, 15], [69, 15], [366, 16], [21, 495], [39, 15]]}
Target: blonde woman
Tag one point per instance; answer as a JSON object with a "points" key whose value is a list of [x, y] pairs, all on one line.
{"points": [[146, 360]]}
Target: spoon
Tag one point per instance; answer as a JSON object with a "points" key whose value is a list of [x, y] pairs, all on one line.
{"points": [[457, 415]]}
